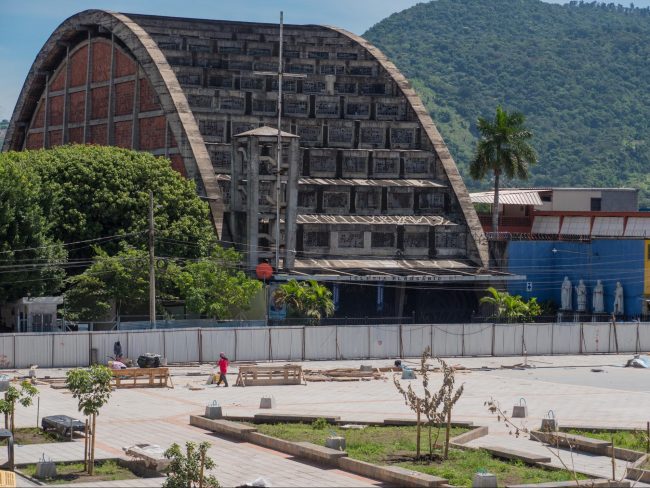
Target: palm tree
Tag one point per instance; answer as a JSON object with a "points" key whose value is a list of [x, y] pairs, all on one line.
{"points": [[309, 298], [502, 149]]}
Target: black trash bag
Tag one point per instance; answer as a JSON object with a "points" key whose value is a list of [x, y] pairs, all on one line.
{"points": [[117, 350], [149, 361]]}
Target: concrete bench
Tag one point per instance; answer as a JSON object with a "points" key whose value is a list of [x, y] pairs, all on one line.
{"points": [[220, 426], [320, 454], [527, 457], [393, 475], [577, 442]]}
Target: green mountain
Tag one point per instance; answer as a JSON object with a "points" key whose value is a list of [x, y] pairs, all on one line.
{"points": [[579, 72]]}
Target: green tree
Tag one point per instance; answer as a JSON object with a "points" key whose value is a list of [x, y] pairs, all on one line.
{"points": [[308, 298], [89, 192], [511, 308], [31, 261], [92, 389], [23, 396], [503, 149], [187, 470], [215, 286]]}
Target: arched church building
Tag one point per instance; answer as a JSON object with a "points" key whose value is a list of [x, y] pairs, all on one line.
{"points": [[371, 199]]}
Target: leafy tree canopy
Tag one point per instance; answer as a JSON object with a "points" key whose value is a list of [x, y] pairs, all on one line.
{"points": [[88, 192], [30, 258], [578, 71], [307, 298]]}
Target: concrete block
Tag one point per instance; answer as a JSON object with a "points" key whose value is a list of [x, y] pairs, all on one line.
{"points": [[484, 480], [267, 402], [464, 438], [513, 454], [549, 425], [319, 454], [45, 469], [213, 412], [393, 475], [335, 442], [519, 411], [274, 443], [577, 442]]}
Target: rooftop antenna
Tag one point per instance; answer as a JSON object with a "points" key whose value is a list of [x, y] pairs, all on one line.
{"points": [[278, 183]]}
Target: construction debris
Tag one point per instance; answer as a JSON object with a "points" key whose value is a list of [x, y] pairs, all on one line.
{"points": [[342, 375], [638, 362]]}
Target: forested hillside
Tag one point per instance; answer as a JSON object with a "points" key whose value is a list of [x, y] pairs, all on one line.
{"points": [[579, 72]]}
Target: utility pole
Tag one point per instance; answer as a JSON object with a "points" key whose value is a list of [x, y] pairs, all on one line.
{"points": [[152, 267]]}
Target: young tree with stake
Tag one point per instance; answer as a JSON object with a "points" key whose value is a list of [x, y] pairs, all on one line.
{"points": [[92, 388], [24, 396]]}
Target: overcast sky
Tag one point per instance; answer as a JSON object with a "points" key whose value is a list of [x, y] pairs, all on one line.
{"points": [[26, 24]]}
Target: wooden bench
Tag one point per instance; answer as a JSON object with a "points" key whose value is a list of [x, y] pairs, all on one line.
{"points": [[140, 378], [269, 375]]}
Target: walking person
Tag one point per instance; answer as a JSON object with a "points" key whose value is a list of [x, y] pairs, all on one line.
{"points": [[223, 369]]}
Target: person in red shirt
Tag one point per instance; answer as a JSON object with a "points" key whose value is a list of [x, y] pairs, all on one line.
{"points": [[223, 369]]}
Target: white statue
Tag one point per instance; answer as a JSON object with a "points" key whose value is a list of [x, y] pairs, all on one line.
{"points": [[581, 292], [566, 294], [618, 299], [599, 298]]}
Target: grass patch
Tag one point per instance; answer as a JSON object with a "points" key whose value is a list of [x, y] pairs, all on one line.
{"points": [[66, 473], [626, 439], [32, 435], [391, 445]]}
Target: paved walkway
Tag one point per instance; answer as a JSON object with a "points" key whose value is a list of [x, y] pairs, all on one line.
{"points": [[565, 384]]}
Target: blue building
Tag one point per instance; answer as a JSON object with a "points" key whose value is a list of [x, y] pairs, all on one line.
{"points": [[546, 262]]}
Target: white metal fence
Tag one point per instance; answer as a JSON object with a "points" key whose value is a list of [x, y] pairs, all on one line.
{"points": [[324, 342]]}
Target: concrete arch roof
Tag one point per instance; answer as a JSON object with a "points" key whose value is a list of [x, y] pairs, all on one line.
{"points": [[132, 31], [155, 66]]}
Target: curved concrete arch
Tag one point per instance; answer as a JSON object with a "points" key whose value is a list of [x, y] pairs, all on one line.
{"points": [[425, 120], [159, 73]]}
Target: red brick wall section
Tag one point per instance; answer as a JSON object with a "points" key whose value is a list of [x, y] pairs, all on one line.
{"points": [[58, 82], [99, 102], [98, 134], [101, 69], [177, 163], [77, 107], [76, 135], [39, 118], [124, 98], [35, 141], [124, 65], [152, 133], [56, 110], [56, 138], [148, 97], [123, 134], [78, 63]]}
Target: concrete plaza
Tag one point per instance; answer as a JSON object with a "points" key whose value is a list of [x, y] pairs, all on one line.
{"points": [[615, 397]]}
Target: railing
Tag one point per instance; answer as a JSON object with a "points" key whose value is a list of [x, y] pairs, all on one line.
{"points": [[486, 221]]}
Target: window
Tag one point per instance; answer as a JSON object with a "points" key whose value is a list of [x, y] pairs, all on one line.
{"points": [[316, 239], [383, 239], [596, 204], [351, 239], [368, 199], [306, 199]]}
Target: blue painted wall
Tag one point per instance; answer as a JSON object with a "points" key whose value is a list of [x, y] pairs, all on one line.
{"points": [[606, 260]]}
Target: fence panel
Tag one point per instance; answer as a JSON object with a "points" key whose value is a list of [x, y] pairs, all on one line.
{"points": [[7, 351], [353, 341], [566, 338], [71, 350], [538, 339], [33, 349], [509, 339], [626, 335], [415, 338], [286, 343], [104, 342], [644, 337], [146, 341], [320, 342], [384, 341], [597, 338], [447, 340], [477, 339], [181, 346], [252, 344], [215, 341]]}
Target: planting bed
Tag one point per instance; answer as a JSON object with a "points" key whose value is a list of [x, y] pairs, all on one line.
{"points": [[397, 445], [108, 470]]}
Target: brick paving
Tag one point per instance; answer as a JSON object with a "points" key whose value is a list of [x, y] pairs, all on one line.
{"points": [[565, 384]]}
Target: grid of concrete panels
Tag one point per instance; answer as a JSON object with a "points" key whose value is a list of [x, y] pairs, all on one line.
{"points": [[352, 120]]}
